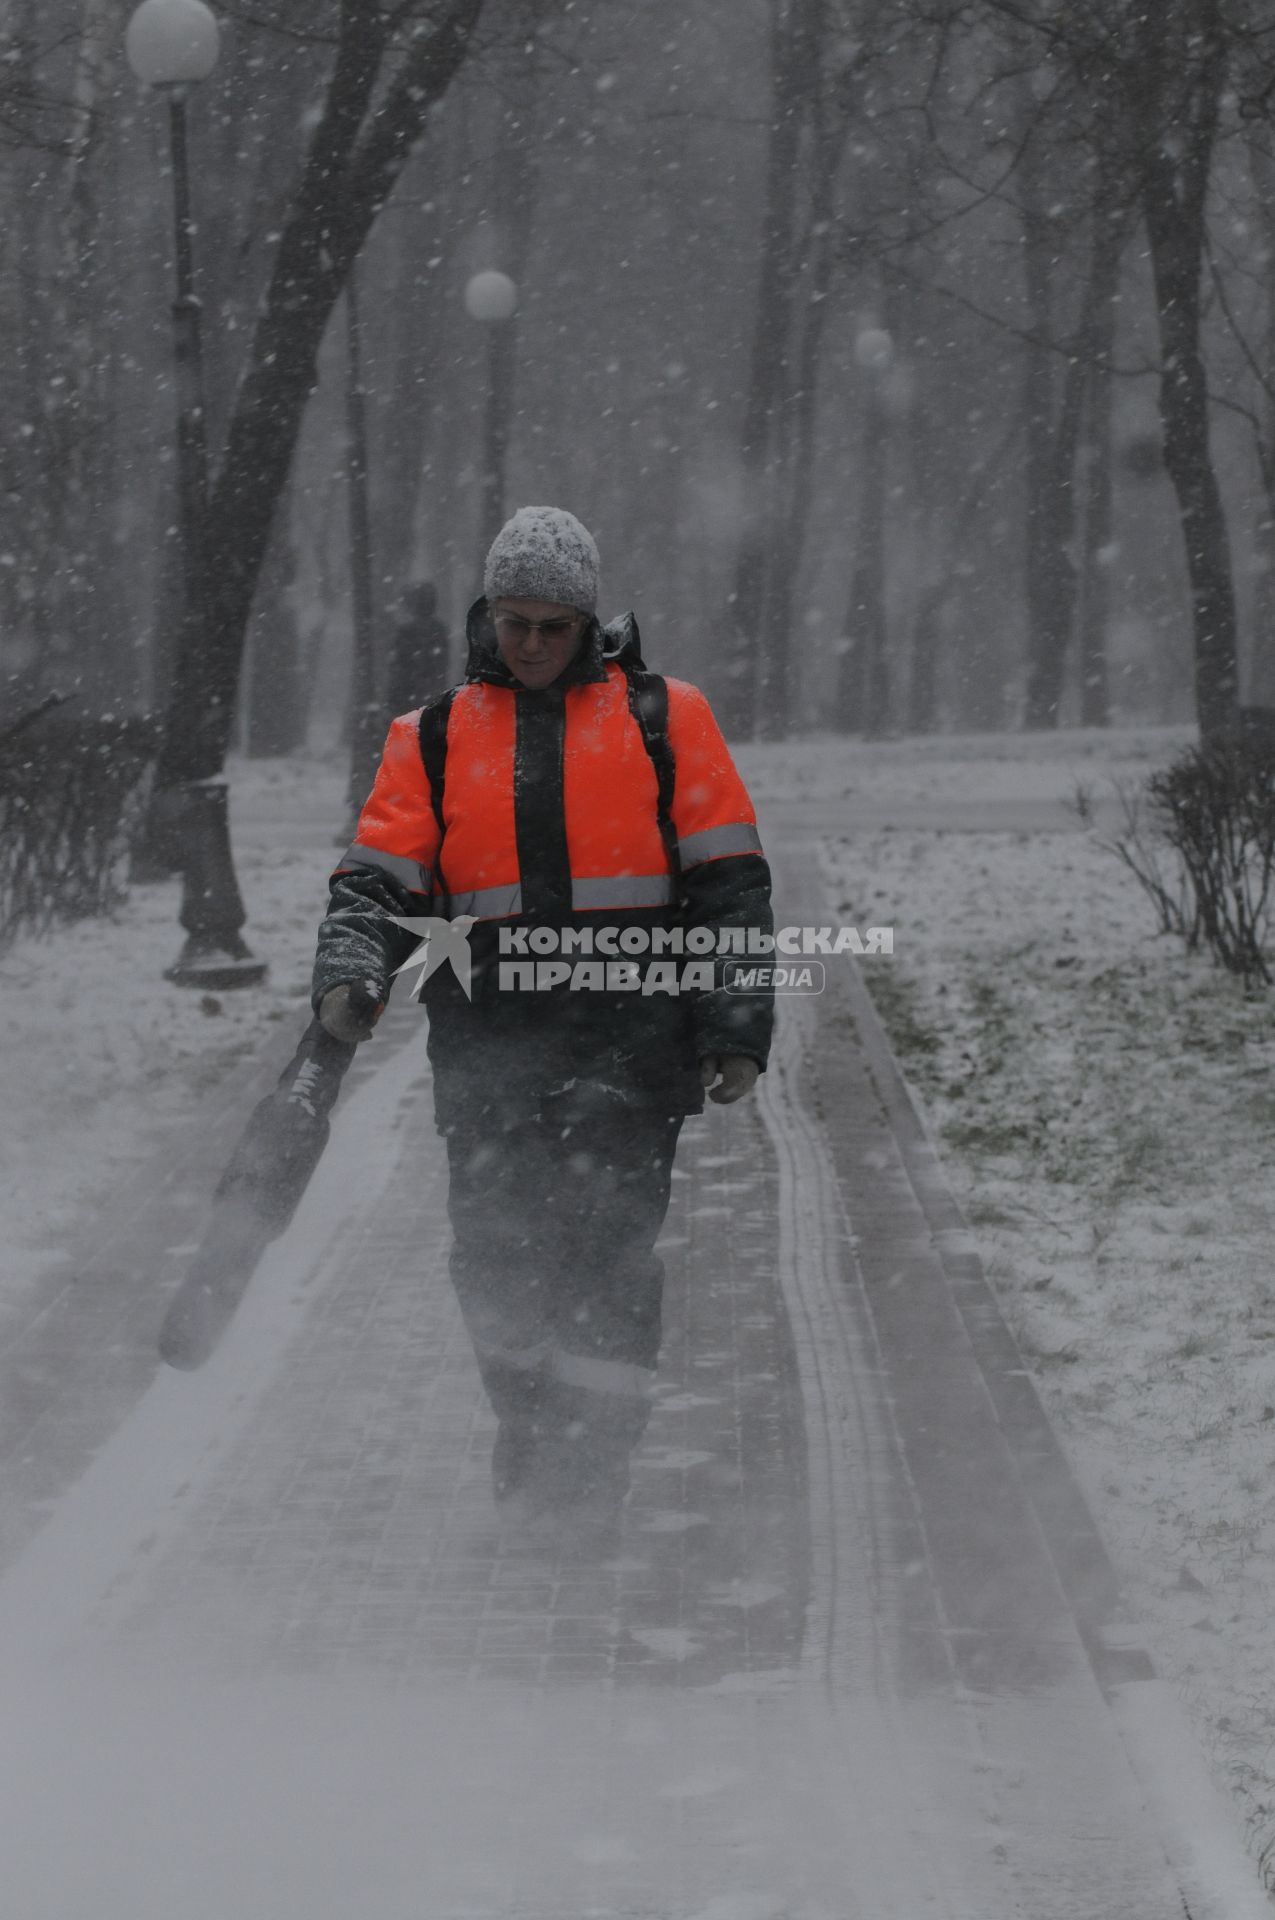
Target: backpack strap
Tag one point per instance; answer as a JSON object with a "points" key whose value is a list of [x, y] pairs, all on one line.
{"points": [[648, 703], [433, 735]]}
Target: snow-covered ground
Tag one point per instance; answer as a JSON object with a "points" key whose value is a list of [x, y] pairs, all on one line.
{"points": [[1105, 1105], [103, 1059]]}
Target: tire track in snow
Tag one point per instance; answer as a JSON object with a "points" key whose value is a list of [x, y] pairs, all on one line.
{"points": [[923, 1848]]}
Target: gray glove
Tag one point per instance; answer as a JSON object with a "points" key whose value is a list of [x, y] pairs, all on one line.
{"points": [[738, 1072], [349, 1012]]}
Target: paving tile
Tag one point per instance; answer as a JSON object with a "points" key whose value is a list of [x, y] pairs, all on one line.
{"points": [[355, 1511]]}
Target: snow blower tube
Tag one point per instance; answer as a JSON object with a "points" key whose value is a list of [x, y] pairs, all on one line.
{"points": [[256, 1197]]}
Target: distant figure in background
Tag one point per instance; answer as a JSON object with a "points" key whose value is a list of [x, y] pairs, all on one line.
{"points": [[420, 651]]}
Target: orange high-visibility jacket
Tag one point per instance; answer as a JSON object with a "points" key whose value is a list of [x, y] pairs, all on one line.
{"points": [[549, 815], [616, 854]]}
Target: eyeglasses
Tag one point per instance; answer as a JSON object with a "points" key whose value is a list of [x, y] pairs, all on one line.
{"points": [[512, 626]]}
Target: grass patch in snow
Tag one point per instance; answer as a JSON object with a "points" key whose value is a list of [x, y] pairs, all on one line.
{"points": [[1105, 1107], [898, 1000]]}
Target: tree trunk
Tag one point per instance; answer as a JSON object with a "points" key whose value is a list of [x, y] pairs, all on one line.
{"points": [[57, 595], [514, 206], [1261, 666], [792, 476], [367, 716], [796, 32], [29, 459], [275, 703], [927, 626], [1261, 671], [1174, 201], [865, 703], [1053, 433], [872, 612], [796, 439], [404, 438], [349, 174], [923, 686], [1184, 407], [86, 608], [1099, 502]]}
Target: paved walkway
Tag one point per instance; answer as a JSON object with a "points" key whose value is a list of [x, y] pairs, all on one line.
{"points": [[273, 1655], [78, 1353], [351, 1524]]}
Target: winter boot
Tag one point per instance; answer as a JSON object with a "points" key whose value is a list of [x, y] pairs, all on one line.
{"points": [[515, 1479], [583, 1479]]}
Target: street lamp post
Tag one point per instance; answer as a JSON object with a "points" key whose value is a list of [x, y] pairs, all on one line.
{"points": [[492, 298], [172, 45]]}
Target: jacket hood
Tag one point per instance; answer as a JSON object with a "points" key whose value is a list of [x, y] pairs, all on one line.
{"points": [[616, 643]]}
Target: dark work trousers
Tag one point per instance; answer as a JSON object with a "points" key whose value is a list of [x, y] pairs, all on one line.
{"points": [[556, 1201]]}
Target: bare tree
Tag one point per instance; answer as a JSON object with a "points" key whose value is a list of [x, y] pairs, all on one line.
{"points": [[57, 574], [389, 68], [1179, 59], [1152, 81], [798, 29], [1262, 671]]}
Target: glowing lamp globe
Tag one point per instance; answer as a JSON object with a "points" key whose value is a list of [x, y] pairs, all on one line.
{"points": [[172, 43], [874, 349], [491, 296]]}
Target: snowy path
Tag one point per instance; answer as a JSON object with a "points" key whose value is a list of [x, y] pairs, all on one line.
{"points": [[271, 1654]]}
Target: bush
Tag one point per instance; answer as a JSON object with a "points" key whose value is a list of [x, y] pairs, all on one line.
{"points": [[70, 790], [1200, 840]]}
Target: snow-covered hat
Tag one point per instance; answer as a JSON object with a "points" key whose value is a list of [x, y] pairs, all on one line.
{"points": [[543, 553]]}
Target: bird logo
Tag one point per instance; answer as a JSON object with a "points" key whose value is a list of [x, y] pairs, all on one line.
{"points": [[441, 942]]}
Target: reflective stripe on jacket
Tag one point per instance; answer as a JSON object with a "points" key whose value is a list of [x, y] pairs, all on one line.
{"points": [[503, 801], [550, 801]]}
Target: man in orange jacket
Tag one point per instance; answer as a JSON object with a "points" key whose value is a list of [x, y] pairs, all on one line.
{"points": [[562, 802]]}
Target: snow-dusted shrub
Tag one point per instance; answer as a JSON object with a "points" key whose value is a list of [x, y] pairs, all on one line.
{"points": [[1153, 863], [1206, 855], [68, 790]]}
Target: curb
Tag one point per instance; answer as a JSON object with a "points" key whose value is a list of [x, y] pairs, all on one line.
{"points": [[1076, 1547], [1195, 1823]]}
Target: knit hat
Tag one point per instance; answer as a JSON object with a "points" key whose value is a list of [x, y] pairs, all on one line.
{"points": [[543, 553]]}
